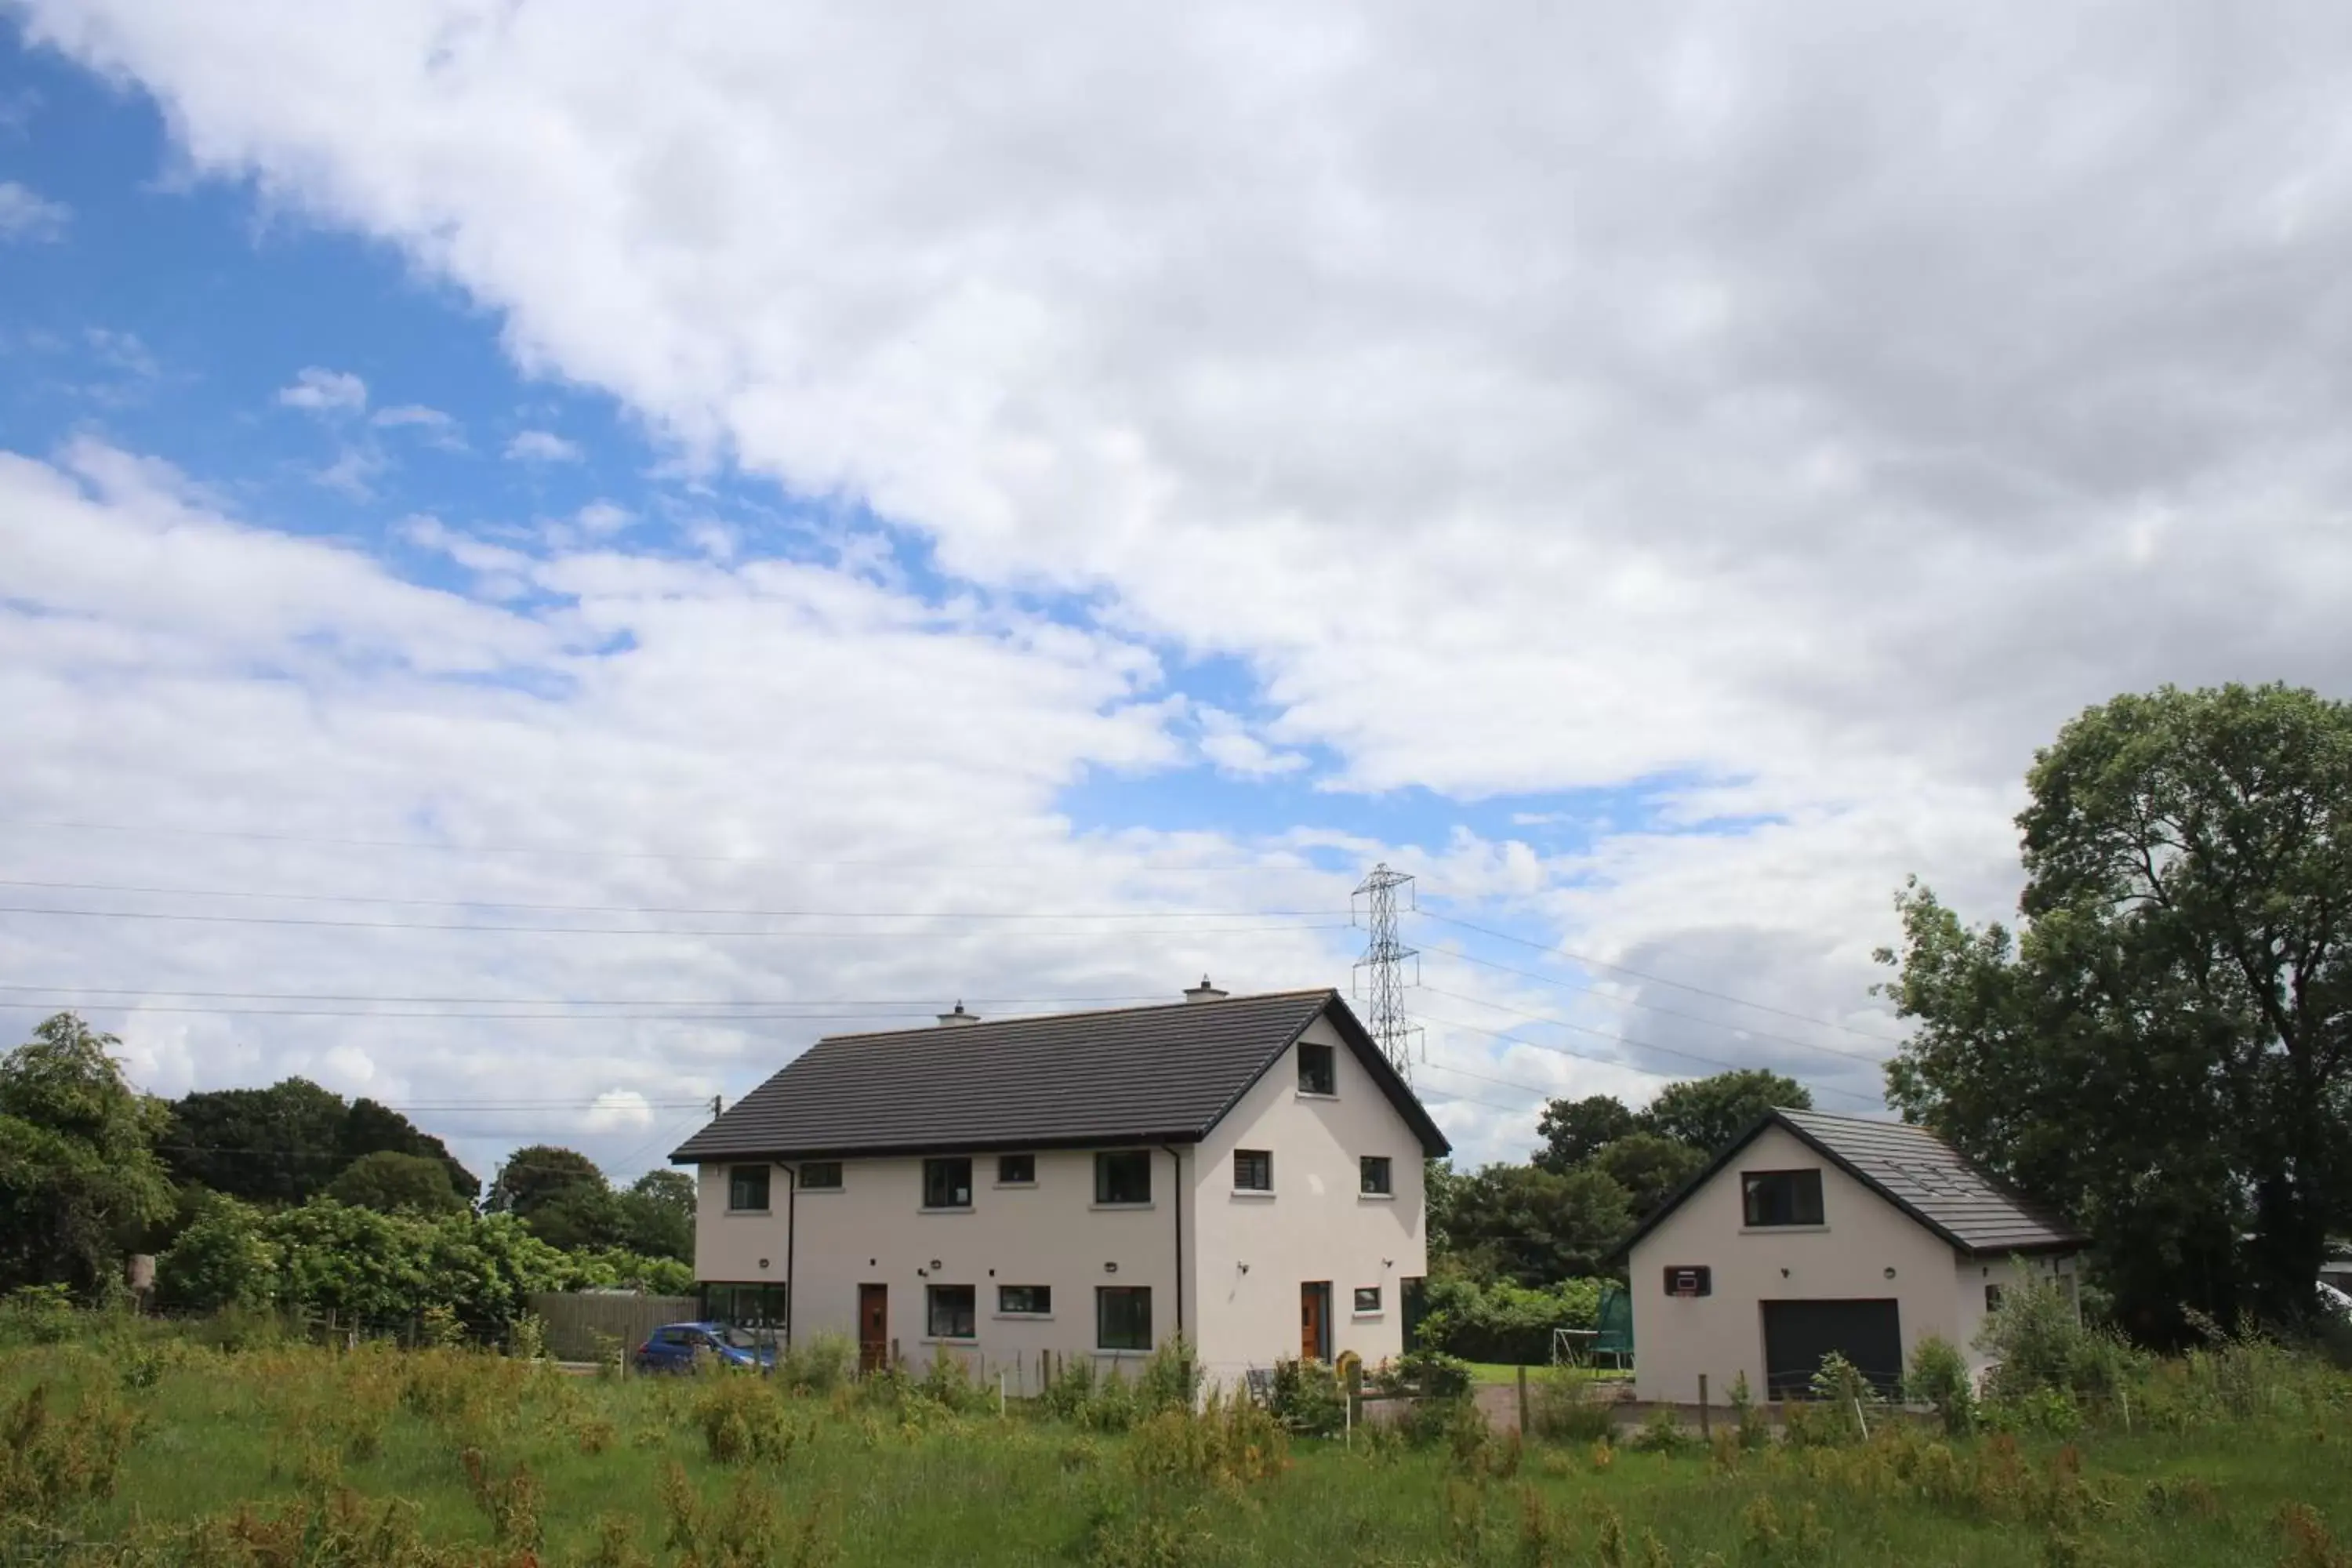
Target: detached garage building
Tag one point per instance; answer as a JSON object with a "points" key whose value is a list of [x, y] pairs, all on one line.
{"points": [[1812, 1233]]}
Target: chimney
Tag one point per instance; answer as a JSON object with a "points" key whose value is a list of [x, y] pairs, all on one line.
{"points": [[957, 1017], [1203, 992]]}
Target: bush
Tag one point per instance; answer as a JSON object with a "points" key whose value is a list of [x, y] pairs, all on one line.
{"points": [[39, 1315], [743, 1422], [1749, 1429], [1426, 1374], [1562, 1408], [1305, 1397], [1505, 1322], [817, 1365], [2037, 1342], [1170, 1379], [1664, 1433], [1073, 1387], [1938, 1377]]}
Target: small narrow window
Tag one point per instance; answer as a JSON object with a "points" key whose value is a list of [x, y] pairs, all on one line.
{"points": [[1782, 1197], [952, 1312], [1123, 1317], [1992, 1298], [1372, 1176], [1016, 1170], [1316, 1072], [821, 1176], [1368, 1298], [747, 1187], [946, 1184], [1124, 1177], [1024, 1301], [1253, 1169]]}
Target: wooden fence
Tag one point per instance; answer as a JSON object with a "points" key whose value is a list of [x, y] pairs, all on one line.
{"points": [[575, 1319]]}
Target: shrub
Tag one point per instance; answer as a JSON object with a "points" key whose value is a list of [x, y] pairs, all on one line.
{"points": [[1562, 1408], [48, 1460], [2037, 1340], [1662, 1433], [1170, 1379], [1113, 1406], [819, 1364], [1227, 1444], [39, 1315], [1749, 1428], [1938, 1377], [743, 1422], [1426, 1373], [1305, 1397], [1505, 1322], [1072, 1387]]}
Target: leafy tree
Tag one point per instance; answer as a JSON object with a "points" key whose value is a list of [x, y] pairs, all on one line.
{"points": [[658, 1215], [396, 1183], [1708, 1112], [78, 1168], [370, 1128], [1575, 1129], [535, 1177], [221, 1258], [1649, 1167], [281, 1144], [2166, 1050], [1535, 1227], [581, 1217]]}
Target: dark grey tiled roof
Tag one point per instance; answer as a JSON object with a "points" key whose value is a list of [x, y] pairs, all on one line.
{"points": [[1913, 1169], [1137, 1074]]}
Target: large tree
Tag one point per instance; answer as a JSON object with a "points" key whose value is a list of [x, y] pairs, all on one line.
{"points": [[1531, 1226], [288, 1142], [1708, 1112], [392, 1183], [2164, 1049], [536, 1177], [1573, 1131], [78, 1175], [1649, 1166]]}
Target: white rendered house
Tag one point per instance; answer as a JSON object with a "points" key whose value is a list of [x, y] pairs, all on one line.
{"points": [[1244, 1171], [1812, 1233]]}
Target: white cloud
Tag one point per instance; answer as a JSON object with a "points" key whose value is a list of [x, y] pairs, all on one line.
{"points": [[600, 519], [543, 446], [1809, 413], [1226, 742], [437, 429], [26, 214], [318, 391]]}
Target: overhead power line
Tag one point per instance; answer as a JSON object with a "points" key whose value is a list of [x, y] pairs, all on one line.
{"points": [[1177, 868], [1657, 979], [577, 1001], [1614, 1061], [675, 910], [615, 930], [169, 1009]]}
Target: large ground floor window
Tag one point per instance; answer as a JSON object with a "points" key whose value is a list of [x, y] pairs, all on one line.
{"points": [[745, 1306], [1123, 1317]]}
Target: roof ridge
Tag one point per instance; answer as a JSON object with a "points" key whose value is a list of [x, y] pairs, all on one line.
{"points": [[1088, 1013]]}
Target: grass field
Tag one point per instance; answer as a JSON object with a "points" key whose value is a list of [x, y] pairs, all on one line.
{"points": [[159, 1452]]}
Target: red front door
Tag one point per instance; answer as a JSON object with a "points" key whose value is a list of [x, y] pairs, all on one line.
{"points": [[873, 1327]]}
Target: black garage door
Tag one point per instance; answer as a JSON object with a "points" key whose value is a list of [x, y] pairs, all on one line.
{"points": [[1797, 1334]]}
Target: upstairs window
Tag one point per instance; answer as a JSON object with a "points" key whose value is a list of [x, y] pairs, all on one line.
{"points": [[1016, 1170], [1368, 1298], [821, 1176], [1124, 1177], [946, 1184], [1253, 1169], [1782, 1197], [951, 1312], [1374, 1176], [747, 1188], [1318, 1074]]}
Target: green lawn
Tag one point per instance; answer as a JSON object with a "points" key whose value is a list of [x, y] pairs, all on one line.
{"points": [[852, 1483], [1501, 1372]]}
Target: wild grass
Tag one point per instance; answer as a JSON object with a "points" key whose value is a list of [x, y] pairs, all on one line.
{"points": [[129, 1448]]}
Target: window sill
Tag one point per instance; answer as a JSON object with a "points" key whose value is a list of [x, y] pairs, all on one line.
{"points": [[1098, 1207], [822, 1191], [1317, 1094], [1013, 1187], [1367, 1317], [952, 1208], [748, 1213], [1023, 1317], [1376, 1197], [958, 1340], [1258, 1192], [1123, 1355], [1784, 1230]]}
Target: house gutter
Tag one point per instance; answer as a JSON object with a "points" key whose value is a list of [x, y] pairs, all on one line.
{"points": [[791, 1234], [1178, 1160]]}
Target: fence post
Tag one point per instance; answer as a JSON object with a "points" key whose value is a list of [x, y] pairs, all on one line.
{"points": [[1705, 1413], [1354, 1396], [1523, 1402]]}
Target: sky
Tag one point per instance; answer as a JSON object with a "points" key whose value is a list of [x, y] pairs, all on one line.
{"points": [[550, 555]]}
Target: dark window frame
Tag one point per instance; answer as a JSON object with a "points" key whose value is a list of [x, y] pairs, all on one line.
{"points": [[1042, 1301], [1253, 1169], [1134, 1330], [1318, 1068], [1992, 1297], [1008, 1164], [1368, 1299], [821, 1176], [738, 1180], [942, 1182], [1108, 1163], [1376, 1176], [962, 1310], [1773, 1200]]}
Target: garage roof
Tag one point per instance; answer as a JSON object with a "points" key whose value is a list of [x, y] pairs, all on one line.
{"points": [[1911, 1168], [1160, 1074]]}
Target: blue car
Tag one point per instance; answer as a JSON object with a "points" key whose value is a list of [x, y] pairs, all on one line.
{"points": [[674, 1346]]}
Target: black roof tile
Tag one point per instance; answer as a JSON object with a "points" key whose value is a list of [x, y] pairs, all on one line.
{"points": [[1141, 1073]]}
